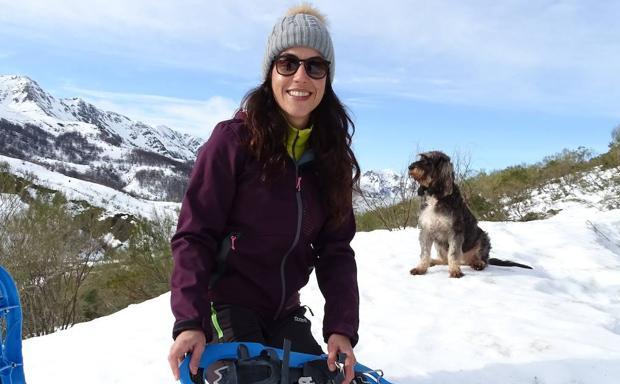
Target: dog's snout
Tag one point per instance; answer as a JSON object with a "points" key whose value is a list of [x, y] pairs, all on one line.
{"points": [[416, 173]]}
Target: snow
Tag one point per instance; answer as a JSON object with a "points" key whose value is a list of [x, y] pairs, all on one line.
{"points": [[38, 108], [381, 189], [598, 188], [23, 101], [115, 202], [10, 203], [557, 323]]}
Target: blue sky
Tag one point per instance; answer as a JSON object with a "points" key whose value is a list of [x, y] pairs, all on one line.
{"points": [[500, 82]]}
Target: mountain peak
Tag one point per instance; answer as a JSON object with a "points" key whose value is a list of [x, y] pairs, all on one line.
{"points": [[19, 89], [20, 84], [15, 80]]}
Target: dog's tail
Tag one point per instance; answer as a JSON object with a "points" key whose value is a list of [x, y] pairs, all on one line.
{"points": [[507, 263]]}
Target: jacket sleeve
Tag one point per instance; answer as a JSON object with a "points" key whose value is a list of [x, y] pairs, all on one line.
{"points": [[204, 211], [336, 273]]}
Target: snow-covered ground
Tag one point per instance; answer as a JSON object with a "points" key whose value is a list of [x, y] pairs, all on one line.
{"points": [[111, 200], [597, 188], [557, 323]]}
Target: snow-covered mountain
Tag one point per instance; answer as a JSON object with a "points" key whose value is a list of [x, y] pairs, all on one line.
{"points": [[23, 101], [114, 202], [381, 188], [78, 139]]}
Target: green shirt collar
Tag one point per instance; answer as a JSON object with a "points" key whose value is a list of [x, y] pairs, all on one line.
{"points": [[297, 141]]}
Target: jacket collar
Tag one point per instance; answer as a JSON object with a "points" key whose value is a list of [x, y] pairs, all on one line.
{"points": [[306, 158]]}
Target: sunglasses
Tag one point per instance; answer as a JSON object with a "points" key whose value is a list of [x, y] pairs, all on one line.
{"points": [[316, 67]]}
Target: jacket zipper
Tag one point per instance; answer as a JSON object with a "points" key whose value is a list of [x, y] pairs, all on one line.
{"points": [[295, 241], [293, 149]]}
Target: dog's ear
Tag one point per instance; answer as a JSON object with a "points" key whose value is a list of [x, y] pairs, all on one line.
{"points": [[446, 176]]}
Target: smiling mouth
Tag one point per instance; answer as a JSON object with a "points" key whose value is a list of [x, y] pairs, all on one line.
{"points": [[297, 93]]}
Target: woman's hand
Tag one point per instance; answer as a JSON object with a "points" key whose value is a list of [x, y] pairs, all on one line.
{"points": [[190, 341], [341, 344]]}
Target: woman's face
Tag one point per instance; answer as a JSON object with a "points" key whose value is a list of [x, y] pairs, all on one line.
{"points": [[299, 94]]}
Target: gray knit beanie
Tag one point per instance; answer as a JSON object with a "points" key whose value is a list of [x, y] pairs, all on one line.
{"points": [[303, 26]]}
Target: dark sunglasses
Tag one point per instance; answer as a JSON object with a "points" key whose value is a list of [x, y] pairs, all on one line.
{"points": [[316, 67]]}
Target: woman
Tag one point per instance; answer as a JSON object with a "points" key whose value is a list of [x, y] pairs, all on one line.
{"points": [[268, 202]]}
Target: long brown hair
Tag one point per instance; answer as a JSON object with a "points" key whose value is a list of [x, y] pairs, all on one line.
{"points": [[337, 168]]}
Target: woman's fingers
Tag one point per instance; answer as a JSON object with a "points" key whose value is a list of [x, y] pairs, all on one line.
{"points": [[190, 341]]}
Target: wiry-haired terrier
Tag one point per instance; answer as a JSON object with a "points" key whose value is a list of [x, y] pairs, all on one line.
{"points": [[446, 221]]}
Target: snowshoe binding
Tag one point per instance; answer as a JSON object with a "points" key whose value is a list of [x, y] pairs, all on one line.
{"points": [[252, 363]]}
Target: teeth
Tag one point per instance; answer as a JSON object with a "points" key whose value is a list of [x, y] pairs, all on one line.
{"points": [[299, 93]]}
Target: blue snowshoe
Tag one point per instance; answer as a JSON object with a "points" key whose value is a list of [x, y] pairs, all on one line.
{"points": [[253, 363], [11, 363]]}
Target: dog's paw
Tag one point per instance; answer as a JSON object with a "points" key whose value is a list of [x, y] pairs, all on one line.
{"points": [[417, 271], [478, 265], [457, 274]]}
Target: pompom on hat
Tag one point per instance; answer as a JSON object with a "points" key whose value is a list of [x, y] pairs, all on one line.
{"points": [[302, 26]]}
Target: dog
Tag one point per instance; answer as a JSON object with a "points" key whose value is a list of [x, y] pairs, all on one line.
{"points": [[446, 221]]}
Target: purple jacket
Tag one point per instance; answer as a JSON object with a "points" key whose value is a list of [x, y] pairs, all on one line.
{"points": [[270, 235]]}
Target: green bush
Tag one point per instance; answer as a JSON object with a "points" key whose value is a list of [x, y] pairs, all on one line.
{"points": [[397, 216], [134, 272], [64, 269], [50, 255]]}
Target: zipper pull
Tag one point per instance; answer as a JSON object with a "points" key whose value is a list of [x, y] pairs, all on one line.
{"points": [[298, 184], [233, 238]]}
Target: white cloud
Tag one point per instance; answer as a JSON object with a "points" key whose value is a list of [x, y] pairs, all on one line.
{"points": [[549, 54], [182, 33], [197, 117]]}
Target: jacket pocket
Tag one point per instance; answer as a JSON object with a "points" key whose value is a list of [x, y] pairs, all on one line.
{"points": [[228, 245]]}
